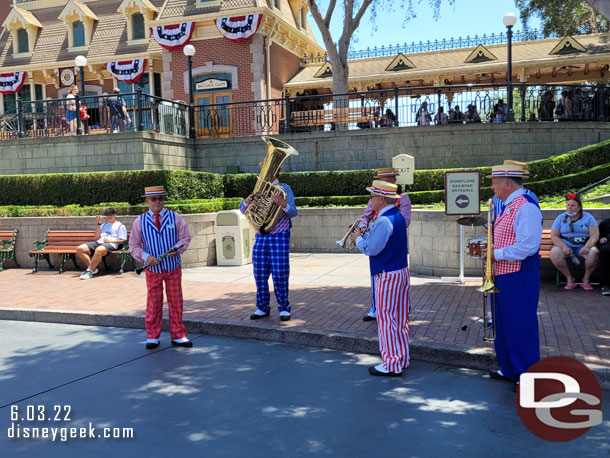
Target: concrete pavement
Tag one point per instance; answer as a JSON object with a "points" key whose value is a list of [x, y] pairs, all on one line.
{"points": [[329, 295]]}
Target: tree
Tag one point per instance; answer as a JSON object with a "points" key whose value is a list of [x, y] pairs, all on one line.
{"points": [[563, 17], [354, 11]]}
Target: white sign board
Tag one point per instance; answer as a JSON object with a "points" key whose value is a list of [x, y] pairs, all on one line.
{"points": [[211, 83], [405, 164], [462, 193]]}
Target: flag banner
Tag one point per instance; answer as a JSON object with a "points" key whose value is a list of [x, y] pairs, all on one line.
{"points": [[129, 71], [239, 28], [11, 82], [174, 36]]}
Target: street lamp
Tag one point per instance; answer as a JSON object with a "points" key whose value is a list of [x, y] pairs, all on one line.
{"points": [[509, 21], [189, 52], [81, 62]]}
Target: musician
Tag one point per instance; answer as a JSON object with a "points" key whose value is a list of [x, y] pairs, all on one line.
{"points": [[152, 234], [516, 242], [403, 203], [270, 255], [386, 246]]}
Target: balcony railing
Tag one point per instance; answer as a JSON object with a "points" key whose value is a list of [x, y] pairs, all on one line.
{"points": [[399, 107]]}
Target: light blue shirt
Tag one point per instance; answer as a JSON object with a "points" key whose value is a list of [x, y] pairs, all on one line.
{"points": [[528, 231], [374, 242], [578, 228]]}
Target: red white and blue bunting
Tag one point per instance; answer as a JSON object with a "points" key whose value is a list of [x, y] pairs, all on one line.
{"points": [[239, 28], [11, 82], [129, 71], [174, 36]]}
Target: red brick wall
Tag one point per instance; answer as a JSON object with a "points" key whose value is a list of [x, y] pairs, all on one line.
{"points": [[284, 65], [5, 8], [220, 51]]}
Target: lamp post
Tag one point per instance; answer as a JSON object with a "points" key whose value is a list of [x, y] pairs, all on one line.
{"points": [[81, 62], [509, 21], [189, 52]]}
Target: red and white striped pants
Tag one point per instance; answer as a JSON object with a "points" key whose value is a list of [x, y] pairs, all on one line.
{"points": [[154, 303], [392, 298]]}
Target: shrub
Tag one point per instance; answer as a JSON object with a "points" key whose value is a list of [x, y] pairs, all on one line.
{"points": [[92, 188]]}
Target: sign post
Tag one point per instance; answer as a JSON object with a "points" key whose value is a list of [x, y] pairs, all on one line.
{"points": [[462, 197]]}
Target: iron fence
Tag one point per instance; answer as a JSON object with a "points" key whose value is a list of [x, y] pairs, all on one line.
{"points": [[115, 113], [435, 45], [380, 109]]}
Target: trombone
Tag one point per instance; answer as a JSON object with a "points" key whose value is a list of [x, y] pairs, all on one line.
{"points": [[488, 287]]}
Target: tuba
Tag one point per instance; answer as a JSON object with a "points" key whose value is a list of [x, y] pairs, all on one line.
{"points": [[263, 214], [488, 288]]}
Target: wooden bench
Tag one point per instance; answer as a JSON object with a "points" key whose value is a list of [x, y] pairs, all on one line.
{"points": [[545, 250], [352, 115], [64, 243], [8, 239]]}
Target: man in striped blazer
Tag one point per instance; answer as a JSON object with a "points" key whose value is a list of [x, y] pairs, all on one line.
{"points": [[386, 246], [156, 232]]}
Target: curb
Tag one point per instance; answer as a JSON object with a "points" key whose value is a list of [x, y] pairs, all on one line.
{"points": [[421, 351]]}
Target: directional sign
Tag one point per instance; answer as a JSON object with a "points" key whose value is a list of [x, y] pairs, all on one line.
{"points": [[462, 195]]}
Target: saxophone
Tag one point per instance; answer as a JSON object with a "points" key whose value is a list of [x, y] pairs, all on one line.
{"points": [[263, 214]]}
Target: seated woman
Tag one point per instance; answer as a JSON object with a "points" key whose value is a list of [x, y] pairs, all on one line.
{"points": [[574, 234]]}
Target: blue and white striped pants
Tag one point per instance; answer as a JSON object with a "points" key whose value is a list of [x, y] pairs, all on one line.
{"points": [[271, 255]]}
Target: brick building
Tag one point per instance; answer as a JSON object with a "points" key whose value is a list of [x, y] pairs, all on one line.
{"points": [[43, 37]]}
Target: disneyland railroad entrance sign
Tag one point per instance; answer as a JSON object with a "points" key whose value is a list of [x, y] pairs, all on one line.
{"points": [[462, 197], [462, 193]]}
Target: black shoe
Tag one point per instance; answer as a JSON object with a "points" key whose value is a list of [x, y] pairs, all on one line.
{"points": [[285, 318], [369, 318], [497, 376], [152, 345], [187, 344], [377, 373], [254, 316]]}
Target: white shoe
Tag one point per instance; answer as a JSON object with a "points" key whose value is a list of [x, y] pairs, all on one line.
{"points": [[94, 272]]}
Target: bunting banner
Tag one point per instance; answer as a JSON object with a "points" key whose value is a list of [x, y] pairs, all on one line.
{"points": [[175, 36], [11, 82], [239, 28], [129, 71]]}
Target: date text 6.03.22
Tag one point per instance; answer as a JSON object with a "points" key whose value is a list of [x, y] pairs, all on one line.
{"points": [[41, 413]]}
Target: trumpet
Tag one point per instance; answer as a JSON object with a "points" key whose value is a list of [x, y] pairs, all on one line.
{"points": [[346, 241], [488, 287]]}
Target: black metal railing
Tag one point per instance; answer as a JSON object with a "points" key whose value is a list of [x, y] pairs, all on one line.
{"points": [[435, 45], [398, 107], [104, 114]]}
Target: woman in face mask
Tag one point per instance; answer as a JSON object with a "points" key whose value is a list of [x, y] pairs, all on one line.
{"points": [[574, 234]]}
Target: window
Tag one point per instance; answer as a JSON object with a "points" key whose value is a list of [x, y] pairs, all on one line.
{"points": [[137, 26], [157, 85], [78, 34], [276, 4], [303, 18], [10, 101], [23, 45]]}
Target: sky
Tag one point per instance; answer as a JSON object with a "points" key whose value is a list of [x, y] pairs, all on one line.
{"points": [[464, 17]]}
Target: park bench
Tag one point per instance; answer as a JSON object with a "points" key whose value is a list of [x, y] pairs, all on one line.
{"points": [[545, 250], [362, 116], [8, 239], [63, 243]]}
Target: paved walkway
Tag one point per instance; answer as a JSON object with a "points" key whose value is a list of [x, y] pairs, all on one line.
{"points": [[329, 295]]}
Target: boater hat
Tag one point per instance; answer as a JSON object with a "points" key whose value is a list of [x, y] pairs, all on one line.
{"points": [[386, 172], [152, 191], [511, 162], [384, 189], [512, 169]]}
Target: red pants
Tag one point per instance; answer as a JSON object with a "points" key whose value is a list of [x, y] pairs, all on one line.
{"points": [[154, 303], [392, 298]]}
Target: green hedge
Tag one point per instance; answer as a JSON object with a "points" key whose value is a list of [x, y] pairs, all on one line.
{"points": [[92, 188]]}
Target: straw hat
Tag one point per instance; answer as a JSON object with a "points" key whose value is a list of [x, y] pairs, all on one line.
{"points": [[151, 191], [510, 170], [511, 162], [386, 172], [384, 189]]}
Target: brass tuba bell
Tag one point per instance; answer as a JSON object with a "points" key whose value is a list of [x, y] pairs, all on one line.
{"points": [[263, 214]]}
